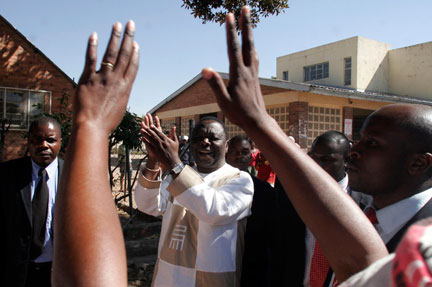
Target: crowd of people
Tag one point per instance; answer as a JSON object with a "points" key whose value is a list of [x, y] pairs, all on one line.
{"points": [[329, 217]]}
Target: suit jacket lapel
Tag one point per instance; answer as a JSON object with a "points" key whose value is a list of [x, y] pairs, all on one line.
{"points": [[60, 167], [426, 211], [26, 190]]}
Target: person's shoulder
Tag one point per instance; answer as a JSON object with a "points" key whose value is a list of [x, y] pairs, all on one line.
{"points": [[263, 191], [264, 185], [18, 162], [11, 169], [230, 173], [231, 169]]}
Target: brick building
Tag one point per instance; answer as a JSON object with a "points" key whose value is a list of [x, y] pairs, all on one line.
{"points": [[330, 87], [302, 110], [29, 84]]}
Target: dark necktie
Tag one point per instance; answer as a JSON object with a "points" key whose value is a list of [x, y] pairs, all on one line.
{"points": [[39, 215]]}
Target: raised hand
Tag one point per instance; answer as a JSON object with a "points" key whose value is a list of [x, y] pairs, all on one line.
{"points": [[347, 238], [102, 95], [162, 149], [146, 125], [88, 241], [242, 100]]}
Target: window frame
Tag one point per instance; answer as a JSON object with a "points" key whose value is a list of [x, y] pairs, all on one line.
{"points": [[316, 72], [347, 71], [28, 105]]}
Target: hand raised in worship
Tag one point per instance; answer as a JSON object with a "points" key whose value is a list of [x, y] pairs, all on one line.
{"points": [[241, 101], [102, 95]]}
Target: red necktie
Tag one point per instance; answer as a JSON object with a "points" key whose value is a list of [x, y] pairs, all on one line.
{"points": [[319, 267], [371, 215]]}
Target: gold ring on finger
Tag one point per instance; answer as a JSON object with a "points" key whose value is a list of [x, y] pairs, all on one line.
{"points": [[108, 65]]}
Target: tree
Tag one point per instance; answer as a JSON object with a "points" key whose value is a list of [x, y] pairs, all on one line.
{"points": [[127, 132], [215, 11]]}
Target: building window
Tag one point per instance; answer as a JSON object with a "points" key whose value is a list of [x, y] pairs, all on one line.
{"points": [[347, 78], [22, 106], [316, 72], [322, 119], [285, 75]]}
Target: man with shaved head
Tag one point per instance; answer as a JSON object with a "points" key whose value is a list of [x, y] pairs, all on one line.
{"points": [[29, 188], [392, 163]]}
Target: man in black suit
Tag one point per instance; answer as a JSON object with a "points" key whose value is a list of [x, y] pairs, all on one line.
{"points": [[393, 164], [27, 207], [330, 151], [261, 260]]}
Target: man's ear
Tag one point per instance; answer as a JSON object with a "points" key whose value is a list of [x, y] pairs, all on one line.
{"points": [[420, 163]]}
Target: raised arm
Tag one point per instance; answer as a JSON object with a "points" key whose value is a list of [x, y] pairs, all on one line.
{"points": [[348, 240], [88, 242]]}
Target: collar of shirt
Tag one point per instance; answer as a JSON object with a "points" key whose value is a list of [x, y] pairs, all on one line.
{"points": [[405, 210], [209, 176], [52, 172], [51, 169], [343, 183]]}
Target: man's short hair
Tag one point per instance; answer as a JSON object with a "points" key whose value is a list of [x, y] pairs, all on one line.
{"points": [[43, 121], [336, 136], [211, 118]]}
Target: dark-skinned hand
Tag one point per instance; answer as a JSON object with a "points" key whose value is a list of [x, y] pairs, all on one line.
{"points": [[241, 101], [161, 148], [102, 95]]}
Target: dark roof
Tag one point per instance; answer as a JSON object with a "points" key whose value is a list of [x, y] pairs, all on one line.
{"points": [[36, 50], [311, 88]]}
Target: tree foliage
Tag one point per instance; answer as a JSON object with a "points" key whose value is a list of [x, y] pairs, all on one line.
{"points": [[128, 131], [215, 11]]}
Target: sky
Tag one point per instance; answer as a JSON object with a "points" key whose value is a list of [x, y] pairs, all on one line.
{"points": [[174, 46]]}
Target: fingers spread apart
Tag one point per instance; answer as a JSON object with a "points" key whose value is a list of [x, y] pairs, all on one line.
{"points": [[123, 62]]}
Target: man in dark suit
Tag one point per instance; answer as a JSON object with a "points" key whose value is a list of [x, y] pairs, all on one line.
{"points": [[392, 163], [28, 191], [330, 151], [260, 265]]}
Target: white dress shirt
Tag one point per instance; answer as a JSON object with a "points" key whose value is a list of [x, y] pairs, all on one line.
{"points": [[389, 224], [52, 182]]}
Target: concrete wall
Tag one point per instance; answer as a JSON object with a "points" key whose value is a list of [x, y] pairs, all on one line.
{"points": [[334, 53], [369, 60], [410, 71], [372, 66]]}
